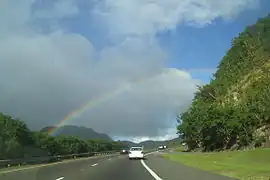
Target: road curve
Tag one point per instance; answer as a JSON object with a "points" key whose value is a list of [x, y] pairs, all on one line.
{"points": [[112, 168]]}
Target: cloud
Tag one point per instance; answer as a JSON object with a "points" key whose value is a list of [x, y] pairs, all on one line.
{"points": [[147, 107], [167, 135], [55, 9], [139, 17], [45, 74]]}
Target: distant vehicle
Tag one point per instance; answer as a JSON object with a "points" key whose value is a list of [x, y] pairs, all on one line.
{"points": [[124, 151], [136, 153], [162, 147]]}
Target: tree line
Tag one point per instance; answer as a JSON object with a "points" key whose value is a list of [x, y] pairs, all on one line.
{"points": [[17, 141], [228, 111]]}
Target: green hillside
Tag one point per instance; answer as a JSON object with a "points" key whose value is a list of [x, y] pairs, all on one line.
{"points": [[83, 133], [17, 141], [233, 110], [150, 144], [155, 144]]}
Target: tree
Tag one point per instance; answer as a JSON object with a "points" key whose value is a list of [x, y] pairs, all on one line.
{"points": [[236, 101], [14, 135], [71, 145], [46, 142], [17, 141]]}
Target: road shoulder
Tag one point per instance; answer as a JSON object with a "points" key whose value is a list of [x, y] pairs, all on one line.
{"points": [[167, 169]]}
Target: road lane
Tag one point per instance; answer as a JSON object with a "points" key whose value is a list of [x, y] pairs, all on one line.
{"points": [[117, 169], [53, 171], [154, 167], [72, 171], [105, 168]]}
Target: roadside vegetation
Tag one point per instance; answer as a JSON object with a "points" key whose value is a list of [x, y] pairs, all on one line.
{"points": [[229, 118], [233, 110], [245, 165], [17, 141]]}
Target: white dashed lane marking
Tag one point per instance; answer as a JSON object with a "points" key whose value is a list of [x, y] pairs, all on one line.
{"points": [[60, 178], [94, 164]]}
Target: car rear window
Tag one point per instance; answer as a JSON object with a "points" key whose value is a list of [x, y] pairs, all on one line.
{"points": [[136, 149]]}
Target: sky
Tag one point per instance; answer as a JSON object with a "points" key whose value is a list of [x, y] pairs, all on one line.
{"points": [[136, 63]]}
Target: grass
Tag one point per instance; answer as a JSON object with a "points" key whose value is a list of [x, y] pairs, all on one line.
{"points": [[179, 149], [245, 165]]}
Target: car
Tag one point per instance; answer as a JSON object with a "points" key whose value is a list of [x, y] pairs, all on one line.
{"points": [[136, 153], [162, 147], [124, 151]]}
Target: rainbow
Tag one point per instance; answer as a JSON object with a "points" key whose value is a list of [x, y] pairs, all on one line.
{"points": [[93, 102]]}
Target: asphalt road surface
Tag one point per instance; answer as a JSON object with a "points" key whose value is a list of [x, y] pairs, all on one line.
{"points": [[154, 167]]}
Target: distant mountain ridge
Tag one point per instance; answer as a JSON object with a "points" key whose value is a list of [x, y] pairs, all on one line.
{"points": [[154, 144], [81, 132], [85, 133]]}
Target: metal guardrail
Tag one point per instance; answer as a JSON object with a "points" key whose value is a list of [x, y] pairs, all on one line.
{"points": [[56, 158], [50, 159]]}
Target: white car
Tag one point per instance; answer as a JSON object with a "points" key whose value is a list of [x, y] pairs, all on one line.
{"points": [[136, 153], [162, 147]]}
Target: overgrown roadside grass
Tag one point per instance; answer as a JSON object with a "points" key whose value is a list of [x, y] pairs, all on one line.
{"points": [[179, 149], [246, 165]]}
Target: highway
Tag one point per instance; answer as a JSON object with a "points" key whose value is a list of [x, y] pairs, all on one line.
{"points": [[154, 167]]}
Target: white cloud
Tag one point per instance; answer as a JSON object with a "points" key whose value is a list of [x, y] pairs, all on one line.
{"points": [[139, 17], [45, 76], [144, 108], [168, 134]]}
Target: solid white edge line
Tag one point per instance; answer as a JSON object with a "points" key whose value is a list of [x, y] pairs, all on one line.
{"points": [[150, 171], [60, 178]]}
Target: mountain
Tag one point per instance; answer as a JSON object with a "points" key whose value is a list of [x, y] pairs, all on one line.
{"points": [[88, 133], [232, 111], [129, 143], [150, 144], [154, 144], [83, 133]]}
